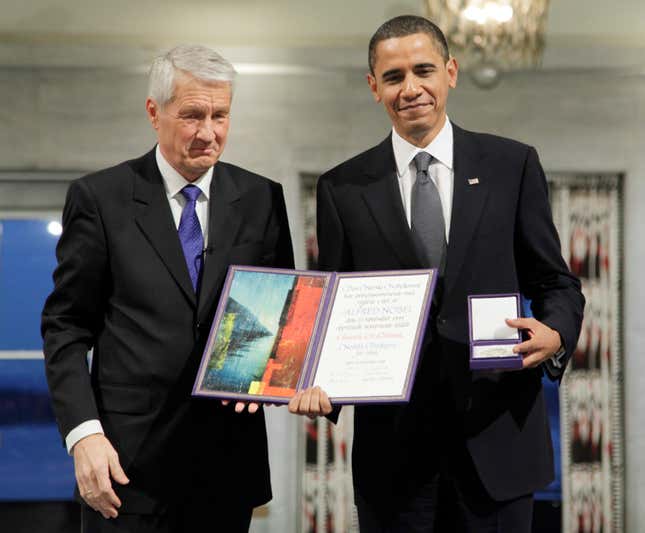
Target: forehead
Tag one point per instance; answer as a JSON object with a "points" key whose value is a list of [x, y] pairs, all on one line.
{"points": [[189, 89], [415, 48]]}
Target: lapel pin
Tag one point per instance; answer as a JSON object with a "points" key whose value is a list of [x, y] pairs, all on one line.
{"points": [[473, 181]]}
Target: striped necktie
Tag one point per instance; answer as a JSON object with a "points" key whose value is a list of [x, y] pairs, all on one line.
{"points": [[428, 225]]}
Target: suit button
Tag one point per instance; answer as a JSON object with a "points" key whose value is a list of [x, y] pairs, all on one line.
{"points": [[441, 321], [198, 325]]}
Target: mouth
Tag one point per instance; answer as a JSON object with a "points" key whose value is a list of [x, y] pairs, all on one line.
{"points": [[206, 150], [413, 107]]}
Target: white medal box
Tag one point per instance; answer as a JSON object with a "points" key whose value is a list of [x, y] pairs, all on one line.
{"points": [[491, 339]]}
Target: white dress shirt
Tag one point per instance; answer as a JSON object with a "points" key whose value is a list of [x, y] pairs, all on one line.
{"points": [[440, 171], [173, 182]]}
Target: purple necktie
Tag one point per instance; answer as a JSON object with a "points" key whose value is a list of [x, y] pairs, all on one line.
{"points": [[190, 234]]}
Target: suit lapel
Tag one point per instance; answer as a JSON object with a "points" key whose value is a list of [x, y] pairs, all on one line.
{"points": [[469, 197], [154, 218], [383, 198], [224, 219]]}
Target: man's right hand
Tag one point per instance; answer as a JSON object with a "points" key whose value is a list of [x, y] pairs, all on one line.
{"points": [[95, 462], [310, 402]]}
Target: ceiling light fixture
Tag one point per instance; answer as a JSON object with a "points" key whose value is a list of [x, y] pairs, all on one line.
{"points": [[489, 37]]}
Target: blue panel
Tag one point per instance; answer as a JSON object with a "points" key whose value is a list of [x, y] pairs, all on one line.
{"points": [[554, 490], [34, 465], [27, 261], [552, 400]]}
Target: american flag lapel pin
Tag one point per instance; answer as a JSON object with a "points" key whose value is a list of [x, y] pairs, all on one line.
{"points": [[473, 181]]}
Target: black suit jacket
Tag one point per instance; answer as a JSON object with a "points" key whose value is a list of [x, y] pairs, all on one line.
{"points": [[122, 288], [502, 239]]}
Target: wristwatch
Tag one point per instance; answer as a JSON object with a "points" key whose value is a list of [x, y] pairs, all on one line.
{"points": [[556, 358]]}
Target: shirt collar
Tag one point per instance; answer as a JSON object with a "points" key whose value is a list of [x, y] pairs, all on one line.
{"points": [[441, 148], [174, 182]]}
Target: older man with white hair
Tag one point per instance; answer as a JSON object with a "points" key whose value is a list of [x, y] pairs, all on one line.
{"points": [[141, 262]]}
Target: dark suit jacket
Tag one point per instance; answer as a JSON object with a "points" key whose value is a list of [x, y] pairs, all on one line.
{"points": [[122, 288], [501, 240]]}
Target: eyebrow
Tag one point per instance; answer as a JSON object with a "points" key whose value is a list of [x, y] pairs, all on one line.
{"points": [[424, 65], [396, 71], [391, 72], [191, 108]]}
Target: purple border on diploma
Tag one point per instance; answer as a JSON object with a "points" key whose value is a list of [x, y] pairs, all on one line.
{"points": [[221, 306], [314, 346], [484, 363], [418, 341]]}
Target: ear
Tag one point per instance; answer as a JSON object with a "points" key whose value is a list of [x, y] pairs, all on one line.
{"points": [[453, 70], [371, 81], [153, 112]]}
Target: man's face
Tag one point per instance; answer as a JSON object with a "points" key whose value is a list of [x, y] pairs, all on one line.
{"points": [[412, 81], [193, 126]]}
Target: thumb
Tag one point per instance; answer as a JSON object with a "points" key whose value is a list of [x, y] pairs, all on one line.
{"points": [[117, 472]]}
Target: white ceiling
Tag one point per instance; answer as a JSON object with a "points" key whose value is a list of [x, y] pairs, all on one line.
{"points": [[592, 33]]}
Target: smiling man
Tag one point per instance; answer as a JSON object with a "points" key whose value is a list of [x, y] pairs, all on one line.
{"points": [[141, 261], [470, 448]]}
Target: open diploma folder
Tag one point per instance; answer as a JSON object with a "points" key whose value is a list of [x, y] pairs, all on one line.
{"points": [[491, 339], [356, 335]]}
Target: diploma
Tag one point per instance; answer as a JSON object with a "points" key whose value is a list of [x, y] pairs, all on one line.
{"points": [[356, 335], [372, 334]]}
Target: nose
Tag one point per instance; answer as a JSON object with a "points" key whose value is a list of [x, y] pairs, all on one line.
{"points": [[206, 130], [410, 88]]}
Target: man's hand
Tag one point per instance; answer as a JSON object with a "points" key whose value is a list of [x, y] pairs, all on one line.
{"points": [[239, 406], [543, 341], [95, 461], [312, 402]]}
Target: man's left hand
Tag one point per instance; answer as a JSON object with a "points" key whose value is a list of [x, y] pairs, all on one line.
{"points": [[543, 341]]}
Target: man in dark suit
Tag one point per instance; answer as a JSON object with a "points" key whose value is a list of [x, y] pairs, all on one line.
{"points": [[141, 261], [470, 448]]}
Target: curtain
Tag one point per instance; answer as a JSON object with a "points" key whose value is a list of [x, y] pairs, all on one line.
{"points": [[587, 211]]}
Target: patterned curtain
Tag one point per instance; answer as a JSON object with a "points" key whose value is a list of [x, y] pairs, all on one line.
{"points": [[327, 494], [328, 500], [587, 210]]}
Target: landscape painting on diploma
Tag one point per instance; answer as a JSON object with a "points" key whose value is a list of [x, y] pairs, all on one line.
{"points": [[263, 334]]}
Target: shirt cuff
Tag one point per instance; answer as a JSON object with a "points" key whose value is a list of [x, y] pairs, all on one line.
{"points": [[85, 429]]}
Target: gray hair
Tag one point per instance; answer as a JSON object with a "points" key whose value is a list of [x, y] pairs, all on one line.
{"points": [[194, 60]]}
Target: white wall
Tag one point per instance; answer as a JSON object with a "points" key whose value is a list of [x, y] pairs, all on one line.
{"points": [[87, 118]]}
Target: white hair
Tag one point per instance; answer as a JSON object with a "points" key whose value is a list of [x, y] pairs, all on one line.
{"points": [[194, 60]]}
